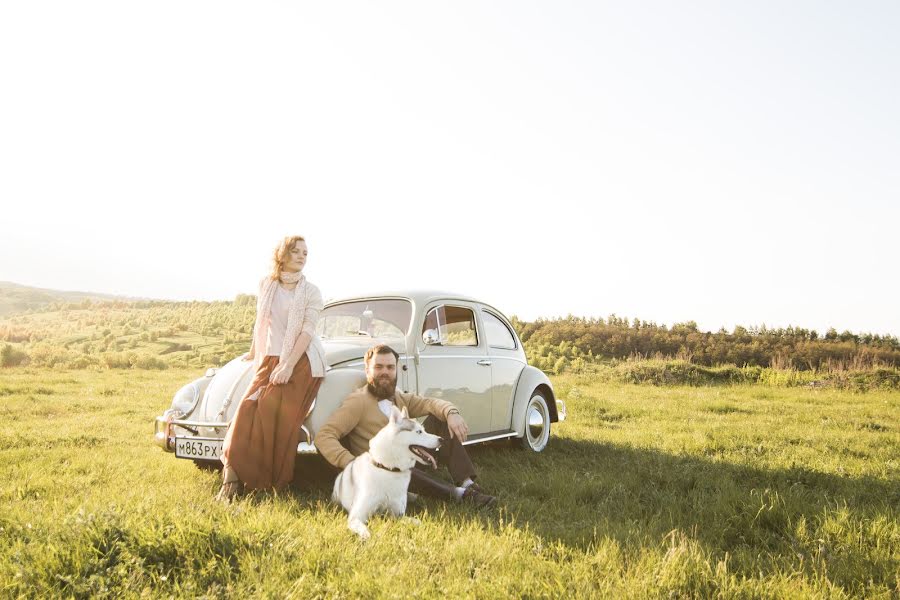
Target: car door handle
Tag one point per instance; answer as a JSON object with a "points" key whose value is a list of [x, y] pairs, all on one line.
{"points": [[484, 362]]}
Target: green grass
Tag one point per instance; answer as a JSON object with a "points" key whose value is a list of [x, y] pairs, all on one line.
{"points": [[742, 491]]}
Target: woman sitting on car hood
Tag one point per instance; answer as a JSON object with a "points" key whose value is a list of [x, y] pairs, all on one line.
{"points": [[261, 443]]}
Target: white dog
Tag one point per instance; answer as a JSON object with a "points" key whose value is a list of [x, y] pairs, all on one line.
{"points": [[378, 479]]}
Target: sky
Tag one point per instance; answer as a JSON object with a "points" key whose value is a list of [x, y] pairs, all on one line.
{"points": [[722, 162]]}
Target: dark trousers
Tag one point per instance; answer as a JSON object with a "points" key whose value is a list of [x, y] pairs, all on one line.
{"points": [[452, 454]]}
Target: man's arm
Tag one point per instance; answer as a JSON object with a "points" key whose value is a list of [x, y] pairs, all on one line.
{"points": [[340, 423], [420, 406]]}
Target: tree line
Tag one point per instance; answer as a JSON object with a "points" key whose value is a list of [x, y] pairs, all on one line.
{"points": [[203, 333], [790, 347]]}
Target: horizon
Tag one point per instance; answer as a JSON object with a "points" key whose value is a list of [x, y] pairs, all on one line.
{"points": [[718, 163], [629, 318]]}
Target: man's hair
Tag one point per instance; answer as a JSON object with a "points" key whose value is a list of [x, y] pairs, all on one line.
{"points": [[380, 349]]}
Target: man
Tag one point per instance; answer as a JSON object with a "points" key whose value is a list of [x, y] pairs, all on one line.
{"points": [[365, 412]]}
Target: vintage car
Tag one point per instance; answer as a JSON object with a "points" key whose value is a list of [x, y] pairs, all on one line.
{"points": [[451, 347]]}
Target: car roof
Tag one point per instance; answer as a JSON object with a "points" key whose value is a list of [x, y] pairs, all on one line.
{"points": [[417, 296]]}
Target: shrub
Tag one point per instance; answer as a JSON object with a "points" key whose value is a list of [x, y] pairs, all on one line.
{"points": [[84, 362], [875, 379], [147, 361], [116, 360], [47, 355], [10, 356]]}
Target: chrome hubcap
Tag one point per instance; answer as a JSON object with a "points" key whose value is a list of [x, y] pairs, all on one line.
{"points": [[537, 424]]}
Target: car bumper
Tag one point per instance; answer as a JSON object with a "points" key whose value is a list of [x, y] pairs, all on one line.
{"points": [[165, 432], [560, 411]]}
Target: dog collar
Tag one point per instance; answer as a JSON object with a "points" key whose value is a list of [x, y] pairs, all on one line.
{"points": [[381, 466]]}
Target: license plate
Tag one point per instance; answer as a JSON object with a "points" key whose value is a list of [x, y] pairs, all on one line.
{"points": [[198, 448]]}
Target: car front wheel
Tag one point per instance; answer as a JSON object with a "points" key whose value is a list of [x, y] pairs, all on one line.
{"points": [[537, 423]]}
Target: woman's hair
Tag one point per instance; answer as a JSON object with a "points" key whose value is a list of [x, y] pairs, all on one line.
{"points": [[281, 252]]}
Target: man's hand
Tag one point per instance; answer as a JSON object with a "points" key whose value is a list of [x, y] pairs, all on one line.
{"points": [[280, 374], [457, 426], [248, 356]]}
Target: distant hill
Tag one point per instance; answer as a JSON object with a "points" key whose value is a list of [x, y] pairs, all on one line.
{"points": [[16, 298], [51, 328]]}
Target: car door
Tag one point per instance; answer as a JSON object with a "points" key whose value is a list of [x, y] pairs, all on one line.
{"points": [[507, 362], [454, 364]]}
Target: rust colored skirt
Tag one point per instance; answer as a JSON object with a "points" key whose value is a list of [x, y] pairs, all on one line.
{"points": [[261, 443]]}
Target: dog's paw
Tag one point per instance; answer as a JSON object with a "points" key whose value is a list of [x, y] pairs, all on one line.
{"points": [[360, 529]]}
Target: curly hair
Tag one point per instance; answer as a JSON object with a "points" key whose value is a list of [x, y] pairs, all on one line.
{"points": [[281, 253]]}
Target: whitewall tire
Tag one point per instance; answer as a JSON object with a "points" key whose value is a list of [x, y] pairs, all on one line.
{"points": [[537, 423]]}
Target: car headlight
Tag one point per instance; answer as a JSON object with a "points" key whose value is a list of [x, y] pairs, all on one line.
{"points": [[186, 398]]}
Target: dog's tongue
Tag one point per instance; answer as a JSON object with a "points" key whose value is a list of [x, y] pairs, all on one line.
{"points": [[424, 454]]}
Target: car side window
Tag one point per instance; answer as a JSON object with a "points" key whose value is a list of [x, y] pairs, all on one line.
{"points": [[454, 325], [497, 333]]}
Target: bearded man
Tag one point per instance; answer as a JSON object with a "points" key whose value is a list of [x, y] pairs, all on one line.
{"points": [[365, 412]]}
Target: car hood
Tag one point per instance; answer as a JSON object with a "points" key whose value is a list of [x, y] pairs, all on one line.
{"points": [[233, 379], [341, 350], [337, 352]]}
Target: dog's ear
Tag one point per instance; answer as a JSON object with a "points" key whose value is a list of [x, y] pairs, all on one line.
{"points": [[396, 416], [405, 413]]}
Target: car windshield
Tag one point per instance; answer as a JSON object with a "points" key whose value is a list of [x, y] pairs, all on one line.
{"points": [[384, 319]]}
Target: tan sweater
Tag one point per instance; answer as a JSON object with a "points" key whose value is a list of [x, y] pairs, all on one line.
{"points": [[359, 419]]}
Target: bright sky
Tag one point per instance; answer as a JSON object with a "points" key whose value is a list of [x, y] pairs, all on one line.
{"points": [[727, 162]]}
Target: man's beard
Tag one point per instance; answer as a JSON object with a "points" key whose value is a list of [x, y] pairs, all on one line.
{"points": [[383, 387]]}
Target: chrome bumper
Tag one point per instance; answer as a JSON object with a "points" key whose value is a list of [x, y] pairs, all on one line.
{"points": [[560, 411], [164, 437]]}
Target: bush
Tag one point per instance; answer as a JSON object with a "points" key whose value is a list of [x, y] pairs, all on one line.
{"points": [[84, 362], [147, 361], [47, 355], [875, 379], [132, 360], [680, 372], [10, 356]]}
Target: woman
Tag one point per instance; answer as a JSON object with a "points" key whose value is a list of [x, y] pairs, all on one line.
{"points": [[261, 444]]}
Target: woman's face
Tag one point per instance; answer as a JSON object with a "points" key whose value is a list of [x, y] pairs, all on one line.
{"points": [[296, 258]]}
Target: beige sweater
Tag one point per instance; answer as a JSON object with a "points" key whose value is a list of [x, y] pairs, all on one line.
{"points": [[359, 419]]}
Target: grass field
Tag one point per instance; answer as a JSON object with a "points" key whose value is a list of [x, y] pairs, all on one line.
{"points": [[744, 491]]}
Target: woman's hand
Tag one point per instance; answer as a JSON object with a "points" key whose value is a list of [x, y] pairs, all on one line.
{"points": [[280, 374], [248, 356]]}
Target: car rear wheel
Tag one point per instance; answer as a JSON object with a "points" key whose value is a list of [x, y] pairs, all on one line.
{"points": [[537, 423]]}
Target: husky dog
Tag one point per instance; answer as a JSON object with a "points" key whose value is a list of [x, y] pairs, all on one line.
{"points": [[377, 480]]}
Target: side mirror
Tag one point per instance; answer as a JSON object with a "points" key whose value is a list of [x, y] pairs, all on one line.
{"points": [[431, 337]]}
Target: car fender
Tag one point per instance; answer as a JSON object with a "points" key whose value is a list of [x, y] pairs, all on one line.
{"points": [[530, 380], [338, 384], [224, 390]]}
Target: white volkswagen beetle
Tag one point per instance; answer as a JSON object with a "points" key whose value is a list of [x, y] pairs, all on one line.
{"points": [[451, 347]]}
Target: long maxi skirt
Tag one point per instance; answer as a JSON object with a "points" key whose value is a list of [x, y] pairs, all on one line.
{"points": [[261, 443]]}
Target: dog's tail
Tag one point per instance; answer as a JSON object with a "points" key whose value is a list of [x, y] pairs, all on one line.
{"points": [[345, 485]]}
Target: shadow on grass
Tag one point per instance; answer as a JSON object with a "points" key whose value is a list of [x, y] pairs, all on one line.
{"points": [[579, 493], [576, 488], [687, 492]]}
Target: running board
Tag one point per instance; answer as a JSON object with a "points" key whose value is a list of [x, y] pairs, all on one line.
{"points": [[487, 437]]}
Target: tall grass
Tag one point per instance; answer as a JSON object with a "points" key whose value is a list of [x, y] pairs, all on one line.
{"points": [[667, 372], [645, 492]]}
